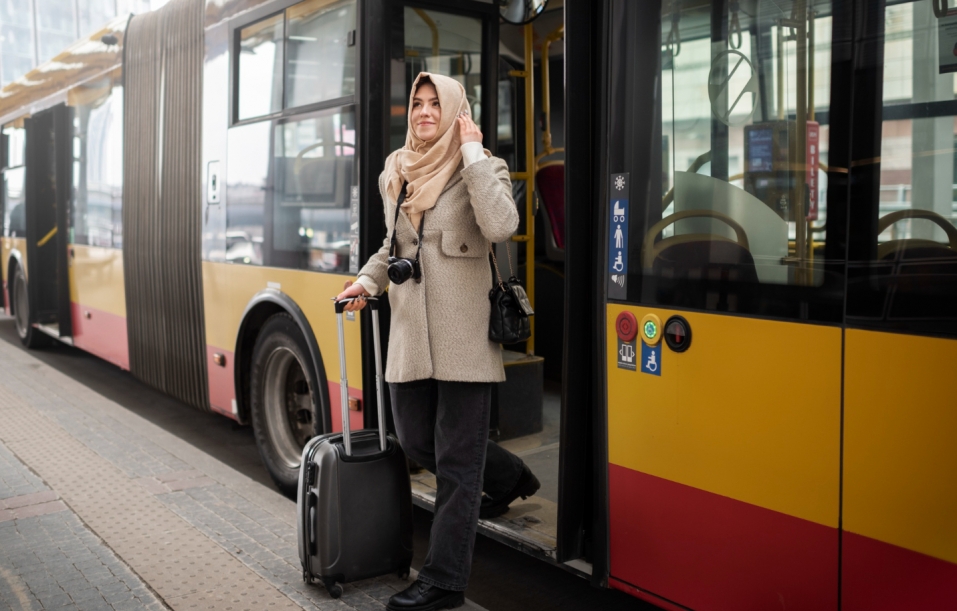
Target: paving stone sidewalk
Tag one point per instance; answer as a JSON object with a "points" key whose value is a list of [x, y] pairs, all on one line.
{"points": [[101, 509]]}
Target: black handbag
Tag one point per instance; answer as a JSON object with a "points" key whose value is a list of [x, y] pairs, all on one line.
{"points": [[508, 321]]}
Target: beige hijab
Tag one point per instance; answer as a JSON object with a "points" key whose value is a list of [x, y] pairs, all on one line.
{"points": [[428, 165]]}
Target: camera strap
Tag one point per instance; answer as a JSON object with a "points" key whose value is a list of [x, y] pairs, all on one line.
{"points": [[398, 206]]}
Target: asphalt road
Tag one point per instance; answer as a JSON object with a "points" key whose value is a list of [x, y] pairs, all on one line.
{"points": [[502, 579]]}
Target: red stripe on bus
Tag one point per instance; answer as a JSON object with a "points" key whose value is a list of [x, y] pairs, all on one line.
{"points": [[706, 551], [335, 408], [878, 576], [101, 333], [222, 385], [640, 594]]}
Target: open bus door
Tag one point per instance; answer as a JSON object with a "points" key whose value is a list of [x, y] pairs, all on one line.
{"points": [[498, 63], [49, 182]]}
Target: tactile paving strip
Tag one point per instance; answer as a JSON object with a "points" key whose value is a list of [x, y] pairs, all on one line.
{"points": [[186, 568]]}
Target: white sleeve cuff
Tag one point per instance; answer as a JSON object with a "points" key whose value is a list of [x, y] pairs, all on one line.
{"points": [[368, 284], [472, 152]]}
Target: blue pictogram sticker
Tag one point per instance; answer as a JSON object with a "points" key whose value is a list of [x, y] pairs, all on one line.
{"points": [[618, 239], [651, 359]]}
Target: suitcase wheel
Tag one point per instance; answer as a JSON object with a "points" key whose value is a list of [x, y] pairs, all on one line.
{"points": [[404, 572], [334, 589]]}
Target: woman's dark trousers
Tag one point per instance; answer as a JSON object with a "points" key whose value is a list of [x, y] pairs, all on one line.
{"points": [[443, 426]]}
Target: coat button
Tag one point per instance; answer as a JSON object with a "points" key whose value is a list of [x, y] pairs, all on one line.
{"points": [[415, 241], [464, 248]]}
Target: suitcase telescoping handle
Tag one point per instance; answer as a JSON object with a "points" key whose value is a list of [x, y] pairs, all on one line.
{"points": [[344, 383]]}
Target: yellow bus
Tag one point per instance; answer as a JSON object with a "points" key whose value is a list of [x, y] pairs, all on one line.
{"points": [[738, 394]]}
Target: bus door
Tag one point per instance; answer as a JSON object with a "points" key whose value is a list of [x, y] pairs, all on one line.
{"points": [[49, 177], [461, 40], [899, 540], [725, 248]]}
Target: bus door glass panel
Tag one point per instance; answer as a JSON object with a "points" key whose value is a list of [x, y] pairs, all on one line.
{"points": [[744, 182], [314, 170], [725, 457], [434, 41], [899, 546], [906, 278], [14, 176], [97, 214]]}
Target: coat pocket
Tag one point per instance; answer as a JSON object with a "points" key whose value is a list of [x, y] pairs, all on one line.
{"points": [[463, 244]]}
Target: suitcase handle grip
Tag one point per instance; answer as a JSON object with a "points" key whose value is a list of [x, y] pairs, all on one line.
{"points": [[341, 305]]}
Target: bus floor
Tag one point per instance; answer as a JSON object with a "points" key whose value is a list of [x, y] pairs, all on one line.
{"points": [[530, 524]]}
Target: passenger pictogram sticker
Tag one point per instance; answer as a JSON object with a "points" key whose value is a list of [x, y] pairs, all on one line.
{"points": [[618, 237]]}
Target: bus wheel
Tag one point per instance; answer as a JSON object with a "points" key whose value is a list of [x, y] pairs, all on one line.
{"points": [[284, 399], [29, 336]]}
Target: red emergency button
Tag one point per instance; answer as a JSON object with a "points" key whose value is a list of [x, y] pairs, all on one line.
{"points": [[677, 334], [627, 326]]}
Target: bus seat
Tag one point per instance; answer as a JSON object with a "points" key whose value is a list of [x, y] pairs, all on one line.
{"points": [[550, 182], [916, 248], [702, 256]]}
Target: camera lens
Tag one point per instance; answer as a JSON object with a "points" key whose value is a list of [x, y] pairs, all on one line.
{"points": [[400, 270]]}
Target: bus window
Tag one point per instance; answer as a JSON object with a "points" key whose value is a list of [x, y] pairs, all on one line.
{"points": [[435, 42], [904, 276], [314, 167], [260, 60], [14, 175], [739, 221], [320, 51]]}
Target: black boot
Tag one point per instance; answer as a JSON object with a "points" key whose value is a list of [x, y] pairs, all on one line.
{"points": [[526, 486], [423, 597]]}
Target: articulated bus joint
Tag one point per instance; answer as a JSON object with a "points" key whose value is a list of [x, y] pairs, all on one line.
{"points": [[264, 304]]}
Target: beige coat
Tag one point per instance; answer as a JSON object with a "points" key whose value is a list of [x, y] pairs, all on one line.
{"points": [[440, 326]]}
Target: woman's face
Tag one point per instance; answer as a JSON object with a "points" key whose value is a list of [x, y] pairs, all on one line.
{"points": [[426, 112]]}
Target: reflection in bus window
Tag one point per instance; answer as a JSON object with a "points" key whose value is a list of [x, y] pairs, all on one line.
{"points": [[908, 280], [320, 51], [314, 166], [98, 165], [441, 43], [260, 68], [744, 175], [14, 176]]}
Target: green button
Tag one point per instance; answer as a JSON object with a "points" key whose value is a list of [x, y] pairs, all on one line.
{"points": [[651, 330]]}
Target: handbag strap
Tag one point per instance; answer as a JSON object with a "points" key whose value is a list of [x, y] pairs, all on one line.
{"points": [[508, 253]]}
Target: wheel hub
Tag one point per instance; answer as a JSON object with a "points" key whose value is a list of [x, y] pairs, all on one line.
{"points": [[289, 406]]}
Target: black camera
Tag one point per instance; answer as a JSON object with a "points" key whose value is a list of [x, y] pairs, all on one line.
{"points": [[401, 270]]}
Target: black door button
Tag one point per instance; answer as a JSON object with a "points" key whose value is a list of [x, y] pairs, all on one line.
{"points": [[677, 334]]}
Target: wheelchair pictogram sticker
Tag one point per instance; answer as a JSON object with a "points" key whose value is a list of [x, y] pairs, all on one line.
{"points": [[731, 79], [651, 359]]}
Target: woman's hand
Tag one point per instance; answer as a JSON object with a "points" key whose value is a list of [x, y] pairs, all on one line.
{"points": [[468, 130], [356, 291]]}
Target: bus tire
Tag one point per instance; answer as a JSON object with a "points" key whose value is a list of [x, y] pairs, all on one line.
{"points": [[30, 336], [284, 399]]}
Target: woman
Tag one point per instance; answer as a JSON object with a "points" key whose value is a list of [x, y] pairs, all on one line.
{"points": [[455, 199]]}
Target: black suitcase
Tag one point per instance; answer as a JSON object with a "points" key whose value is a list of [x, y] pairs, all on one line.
{"points": [[355, 498]]}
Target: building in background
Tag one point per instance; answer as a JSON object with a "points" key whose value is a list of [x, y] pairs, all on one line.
{"points": [[34, 31]]}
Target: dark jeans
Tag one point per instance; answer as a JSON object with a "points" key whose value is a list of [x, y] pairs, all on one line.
{"points": [[443, 426]]}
